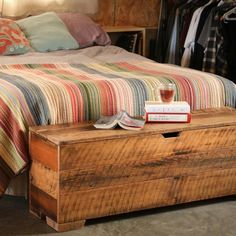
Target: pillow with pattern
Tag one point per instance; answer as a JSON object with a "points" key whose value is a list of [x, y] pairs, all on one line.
{"points": [[12, 39]]}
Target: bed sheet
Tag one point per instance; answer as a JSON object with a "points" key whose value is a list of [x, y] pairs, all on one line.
{"points": [[87, 55]]}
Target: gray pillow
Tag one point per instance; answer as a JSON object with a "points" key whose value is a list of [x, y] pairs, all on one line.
{"points": [[47, 32]]}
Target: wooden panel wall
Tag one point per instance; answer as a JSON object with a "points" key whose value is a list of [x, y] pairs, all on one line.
{"points": [[137, 12], [105, 12], [131, 12]]}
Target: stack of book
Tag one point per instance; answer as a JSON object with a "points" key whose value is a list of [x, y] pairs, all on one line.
{"points": [[167, 112]]}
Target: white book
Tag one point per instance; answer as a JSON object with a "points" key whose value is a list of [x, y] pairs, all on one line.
{"points": [[172, 107]]}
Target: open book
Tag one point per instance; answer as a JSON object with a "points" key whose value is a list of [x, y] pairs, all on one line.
{"points": [[123, 119]]}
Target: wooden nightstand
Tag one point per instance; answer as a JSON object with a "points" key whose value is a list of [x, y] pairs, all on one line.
{"points": [[115, 31]]}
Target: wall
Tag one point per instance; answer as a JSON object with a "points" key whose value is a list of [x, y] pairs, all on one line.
{"points": [[105, 12], [128, 12], [24, 8]]}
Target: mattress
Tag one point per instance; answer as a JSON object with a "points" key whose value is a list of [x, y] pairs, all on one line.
{"points": [[77, 85]]}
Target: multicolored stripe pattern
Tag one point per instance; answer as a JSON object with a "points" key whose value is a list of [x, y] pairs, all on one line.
{"points": [[60, 93]]}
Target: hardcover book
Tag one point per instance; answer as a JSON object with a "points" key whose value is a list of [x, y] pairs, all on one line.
{"points": [[122, 119]]}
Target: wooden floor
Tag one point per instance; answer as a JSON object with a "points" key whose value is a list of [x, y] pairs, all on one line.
{"points": [[206, 218]]}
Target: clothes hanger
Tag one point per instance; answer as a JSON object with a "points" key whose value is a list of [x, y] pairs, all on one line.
{"points": [[230, 15]]}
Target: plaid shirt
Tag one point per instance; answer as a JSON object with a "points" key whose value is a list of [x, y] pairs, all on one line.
{"points": [[214, 55], [221, 58]]}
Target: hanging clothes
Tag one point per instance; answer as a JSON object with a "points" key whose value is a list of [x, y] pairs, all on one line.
{"points": [[183, 16], [161, 43], [190, 39], [197, 56], [197, 36], [173, 43], [213, 54], [171, 55], [229, 32], [187, 12]]}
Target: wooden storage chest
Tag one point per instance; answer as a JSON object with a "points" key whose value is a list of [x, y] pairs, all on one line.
{"points": [[78, 173]]}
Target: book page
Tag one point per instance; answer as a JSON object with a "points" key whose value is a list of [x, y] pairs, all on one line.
{"points": [[122, 118], [108, 121], [127, 120]]}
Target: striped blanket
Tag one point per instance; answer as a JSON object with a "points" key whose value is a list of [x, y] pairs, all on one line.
{"points": [[59, 93]]}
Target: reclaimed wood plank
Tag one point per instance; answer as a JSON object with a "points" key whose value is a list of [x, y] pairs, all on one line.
{"points": [[43, 204], [62, 227], [80, 133], [44, 178], [143, 147], [129, 13], [111, 175], [148, 194], [43, 151]]}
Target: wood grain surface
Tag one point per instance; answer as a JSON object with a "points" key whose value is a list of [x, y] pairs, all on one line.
{"points": [[133, 12], [87, 173], [67, 134], [137, 12], [105, 12], [148, 194]]}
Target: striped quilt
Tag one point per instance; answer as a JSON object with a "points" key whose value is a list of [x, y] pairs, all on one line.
{"points": [[41, 94]]}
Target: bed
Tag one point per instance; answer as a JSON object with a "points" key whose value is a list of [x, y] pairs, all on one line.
{"points": [[68, 86], [37, 91]]}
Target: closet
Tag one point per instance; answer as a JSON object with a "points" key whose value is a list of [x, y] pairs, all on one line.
{"points": [[199, 34]]}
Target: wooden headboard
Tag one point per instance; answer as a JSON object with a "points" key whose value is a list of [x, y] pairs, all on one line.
{"points": [[105, 12]]}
